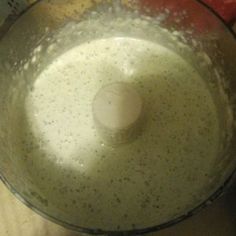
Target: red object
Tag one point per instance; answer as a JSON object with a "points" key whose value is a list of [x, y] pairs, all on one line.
{"points": [[225, 8]]}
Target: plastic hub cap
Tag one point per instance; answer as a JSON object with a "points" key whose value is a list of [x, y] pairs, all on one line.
{"points": [[117, 111]]}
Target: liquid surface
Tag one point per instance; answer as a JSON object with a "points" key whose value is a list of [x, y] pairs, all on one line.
{"points": [[161, 174]]}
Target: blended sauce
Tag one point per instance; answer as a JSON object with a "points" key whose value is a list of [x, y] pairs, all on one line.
{"points": [[161, 174]]}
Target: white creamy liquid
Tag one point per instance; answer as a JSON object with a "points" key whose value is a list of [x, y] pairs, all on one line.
{"points": [[161, 174]]}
